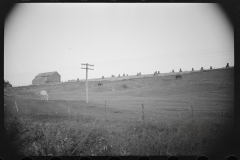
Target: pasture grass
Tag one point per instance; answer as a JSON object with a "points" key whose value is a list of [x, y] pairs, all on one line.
{"points": [[58, 134], [47, 129]]}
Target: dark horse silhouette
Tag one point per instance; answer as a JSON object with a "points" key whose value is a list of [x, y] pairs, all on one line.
{"points": [[178, 77], [100, 84]]}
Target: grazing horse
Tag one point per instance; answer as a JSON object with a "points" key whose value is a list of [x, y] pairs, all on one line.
{"points": [[100, 84], [178, 77], [44, 95]]}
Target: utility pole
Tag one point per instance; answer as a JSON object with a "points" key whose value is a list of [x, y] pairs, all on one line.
{"points": [[87, 79]]}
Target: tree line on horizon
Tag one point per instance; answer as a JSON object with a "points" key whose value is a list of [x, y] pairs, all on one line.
{"points": [[7, 84]]}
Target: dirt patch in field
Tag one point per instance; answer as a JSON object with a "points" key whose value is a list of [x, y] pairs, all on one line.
{"points": [[117, 111], [92, 106], [175, 109], [116, 86]]}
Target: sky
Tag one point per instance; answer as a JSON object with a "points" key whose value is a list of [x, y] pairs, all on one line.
{"points": [[117, 38]]}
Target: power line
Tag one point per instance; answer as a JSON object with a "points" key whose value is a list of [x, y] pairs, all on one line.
{"points": [[87, 78]]}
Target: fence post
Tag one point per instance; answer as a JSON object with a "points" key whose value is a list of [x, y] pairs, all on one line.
{"points": [[179, 115], [68, 107], [144, 125], [106, 109], [192, 119], [192, 113], [16, 106], [85, 110], [143, 116]]}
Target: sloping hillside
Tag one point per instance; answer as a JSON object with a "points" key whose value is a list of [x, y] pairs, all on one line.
{"points": [[213, 81]]}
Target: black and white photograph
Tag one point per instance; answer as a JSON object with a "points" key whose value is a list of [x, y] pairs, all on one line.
{"points": [[118, 79]]}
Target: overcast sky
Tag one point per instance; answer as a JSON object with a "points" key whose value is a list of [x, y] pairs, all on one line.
{"points": [[116, 38]]}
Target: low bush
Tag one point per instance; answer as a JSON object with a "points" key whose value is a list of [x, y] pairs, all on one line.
{"points": [[86, 136], [125, 86]]}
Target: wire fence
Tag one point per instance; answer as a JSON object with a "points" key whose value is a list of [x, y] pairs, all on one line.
{"points": [[162, 111], [145, 108], [150, 112]]}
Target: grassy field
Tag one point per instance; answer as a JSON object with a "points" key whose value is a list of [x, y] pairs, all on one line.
{"points": [[191, 116]]}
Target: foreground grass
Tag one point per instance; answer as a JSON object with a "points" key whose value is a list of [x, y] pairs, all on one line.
{"points": [[79, 135]]}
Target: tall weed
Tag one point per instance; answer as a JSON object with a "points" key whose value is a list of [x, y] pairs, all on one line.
{"points": [[87, 136]]}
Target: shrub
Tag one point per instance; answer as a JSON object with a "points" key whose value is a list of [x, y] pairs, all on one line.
{"points": [[124, 86], [7, 84], [180, 70], [227, 65], [102, 77], [155, 73]]}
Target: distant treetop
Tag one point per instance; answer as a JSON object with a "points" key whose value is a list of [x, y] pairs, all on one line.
{"points": [[227, 65], [7, 84]]}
